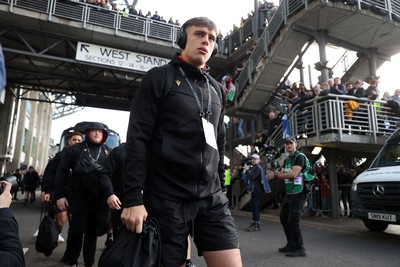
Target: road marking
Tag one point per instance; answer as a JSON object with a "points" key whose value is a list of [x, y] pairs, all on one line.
{"points": [[25, 250], [36, 233]]}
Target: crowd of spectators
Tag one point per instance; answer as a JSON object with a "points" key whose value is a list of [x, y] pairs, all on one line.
{"points": [[125, 11]]}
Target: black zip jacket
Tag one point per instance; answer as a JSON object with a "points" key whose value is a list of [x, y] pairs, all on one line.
{"points": [[11, 253], [48, 180], [112, 179], [166, 149], [82, 190]]}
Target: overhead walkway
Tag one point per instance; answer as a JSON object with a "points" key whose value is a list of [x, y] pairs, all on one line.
{"points": [[369, 27], [42, 41]]}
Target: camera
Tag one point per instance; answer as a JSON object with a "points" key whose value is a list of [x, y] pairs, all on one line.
{"points": [[12, 180]]}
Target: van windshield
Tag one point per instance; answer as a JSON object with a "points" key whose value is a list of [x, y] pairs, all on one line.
{"points": [[388, 156]]}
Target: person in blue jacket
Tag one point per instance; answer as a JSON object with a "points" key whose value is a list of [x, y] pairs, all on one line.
{"points": [[257, 184]]}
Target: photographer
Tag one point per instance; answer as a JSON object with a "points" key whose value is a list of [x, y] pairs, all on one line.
{"points": [[11, 252]]}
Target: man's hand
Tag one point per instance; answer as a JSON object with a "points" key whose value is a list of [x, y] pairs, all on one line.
{"points": [[270, 175], [62, 204], [5, 197], [45, 197], [114, 203], [133, 218]]}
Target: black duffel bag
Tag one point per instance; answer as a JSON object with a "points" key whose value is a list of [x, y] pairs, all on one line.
{"points": [[47, 238], [134, 250]]}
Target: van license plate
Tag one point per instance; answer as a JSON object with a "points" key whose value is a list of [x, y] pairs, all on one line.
{"points": [[382, 217]]}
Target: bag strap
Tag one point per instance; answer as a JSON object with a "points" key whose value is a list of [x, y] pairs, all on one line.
{"points": [[169, 72], [43, 211], [218, 88], [153, 223]]}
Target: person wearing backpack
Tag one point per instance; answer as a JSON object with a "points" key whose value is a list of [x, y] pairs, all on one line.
{"points": [[175, 155], [295, 172], [79, 192]]}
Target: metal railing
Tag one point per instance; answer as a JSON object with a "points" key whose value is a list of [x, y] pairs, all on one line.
{"points": [[287, 8], [333, 113], [88, 14], [319, 202]]}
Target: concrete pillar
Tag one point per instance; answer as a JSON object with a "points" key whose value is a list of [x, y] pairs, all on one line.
{"points": [[372, 63], [31, 129], [19, 155], [301, 68], [42, 151], [332, 159], [256, 19], [6, 114], [321, 65]]}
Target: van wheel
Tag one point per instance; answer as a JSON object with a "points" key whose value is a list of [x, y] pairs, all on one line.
{"points": [[376, 226]]}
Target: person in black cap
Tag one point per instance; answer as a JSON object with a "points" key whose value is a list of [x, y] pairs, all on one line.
{"points": [[82, 197], [295, 172]]}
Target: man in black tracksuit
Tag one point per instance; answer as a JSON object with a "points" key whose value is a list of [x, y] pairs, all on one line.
{"points": [[48, 183], [175, 155], [82, 197], [112, 182]]}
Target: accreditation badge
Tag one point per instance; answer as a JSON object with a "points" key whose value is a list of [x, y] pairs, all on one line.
{"points": [[209, 133]]}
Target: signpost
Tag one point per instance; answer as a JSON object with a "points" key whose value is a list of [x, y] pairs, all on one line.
{"points": [[117, 58]]}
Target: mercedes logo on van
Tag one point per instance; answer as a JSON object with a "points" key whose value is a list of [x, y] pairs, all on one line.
{"points": [[378, 190]]}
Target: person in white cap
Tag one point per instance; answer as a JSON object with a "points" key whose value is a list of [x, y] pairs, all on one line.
{"points": [[257, 184]]}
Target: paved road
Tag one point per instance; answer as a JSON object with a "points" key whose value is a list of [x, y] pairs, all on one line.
{"points": [[343, 242]]}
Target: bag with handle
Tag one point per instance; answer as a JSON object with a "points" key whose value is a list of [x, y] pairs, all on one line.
{"points": [[47, 238], [134, 250]]}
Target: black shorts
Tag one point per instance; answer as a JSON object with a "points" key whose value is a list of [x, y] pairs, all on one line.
{"points": [[208, 221]]}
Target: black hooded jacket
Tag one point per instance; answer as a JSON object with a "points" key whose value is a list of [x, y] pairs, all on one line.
{"points": [[81, 189], [166, 149]]}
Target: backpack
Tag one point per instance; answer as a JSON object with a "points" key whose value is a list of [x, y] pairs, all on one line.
{"points": [[170, 72], [308, 173], [47, 238]]}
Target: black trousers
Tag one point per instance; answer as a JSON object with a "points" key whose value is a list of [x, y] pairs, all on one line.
{"points": [[82, 229], [291, 210]]}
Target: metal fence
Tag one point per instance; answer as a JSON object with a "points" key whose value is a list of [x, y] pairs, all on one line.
{"points": [[319, 201]]}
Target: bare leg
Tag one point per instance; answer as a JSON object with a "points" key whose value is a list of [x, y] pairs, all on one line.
{"points": [[223, 258], [188, 256], [60, 218]]}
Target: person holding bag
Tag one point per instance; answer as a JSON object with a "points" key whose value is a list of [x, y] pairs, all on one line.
{"points": [[82, 197], [175, 156]]}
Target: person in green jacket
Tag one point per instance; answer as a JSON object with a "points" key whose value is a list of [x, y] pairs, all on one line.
{"points": [[228, 182], [295, 173]]}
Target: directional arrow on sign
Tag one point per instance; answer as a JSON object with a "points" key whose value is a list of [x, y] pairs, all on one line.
{"points": [[85, 46]]}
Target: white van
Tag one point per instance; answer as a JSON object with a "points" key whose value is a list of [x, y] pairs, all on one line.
{"points": [[375, 193]]}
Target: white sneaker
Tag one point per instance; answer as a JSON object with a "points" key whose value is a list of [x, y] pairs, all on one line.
{"points": [[60, 239]]}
